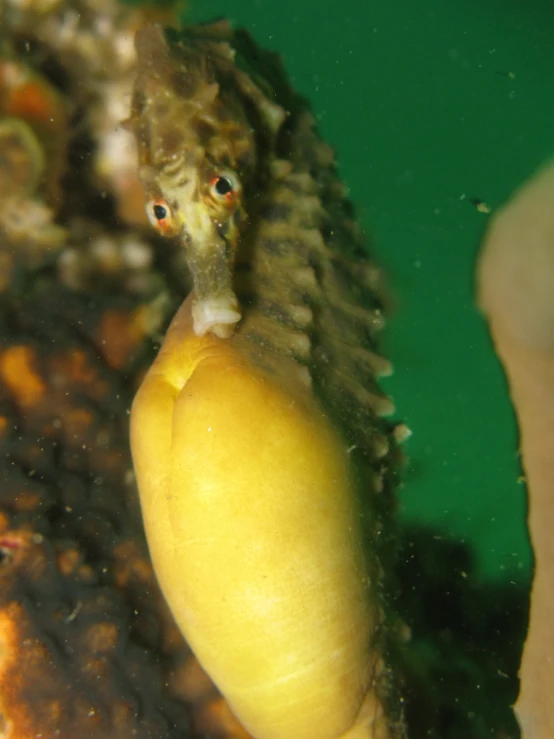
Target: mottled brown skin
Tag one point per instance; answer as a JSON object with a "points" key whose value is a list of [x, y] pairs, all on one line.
{"points": [[190, 132]]}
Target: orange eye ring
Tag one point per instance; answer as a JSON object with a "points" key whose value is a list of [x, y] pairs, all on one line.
{"points": [[224, 187], [160, 216]]}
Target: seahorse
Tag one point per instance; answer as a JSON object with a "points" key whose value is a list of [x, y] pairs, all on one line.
{"points": [[262, 456]]}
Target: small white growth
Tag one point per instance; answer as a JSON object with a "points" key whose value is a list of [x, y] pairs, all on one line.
{"points": [[216, 315], [401, 433]]}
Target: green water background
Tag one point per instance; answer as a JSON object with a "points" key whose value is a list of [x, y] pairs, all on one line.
{"points": [[430, 104]]}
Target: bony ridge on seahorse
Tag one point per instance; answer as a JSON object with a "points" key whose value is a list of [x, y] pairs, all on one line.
{"points": [[258, 448]]}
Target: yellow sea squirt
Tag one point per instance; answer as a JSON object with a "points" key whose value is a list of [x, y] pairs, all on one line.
{"points": [[254, 531]]}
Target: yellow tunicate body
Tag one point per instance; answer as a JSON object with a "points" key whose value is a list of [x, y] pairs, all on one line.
{"points": [[252, 520]]}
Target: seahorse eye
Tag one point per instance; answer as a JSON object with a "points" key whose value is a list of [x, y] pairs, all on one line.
{"points": [[225, 187], [160, 211], [160, 216]]}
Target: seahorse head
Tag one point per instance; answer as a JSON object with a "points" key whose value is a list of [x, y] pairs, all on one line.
{"points": [[198, 157]]}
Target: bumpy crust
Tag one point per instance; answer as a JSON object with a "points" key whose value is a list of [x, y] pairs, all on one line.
{"points": [[67, 547]]}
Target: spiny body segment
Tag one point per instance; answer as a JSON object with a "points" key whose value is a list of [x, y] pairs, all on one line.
{"points": [[258, 441]]}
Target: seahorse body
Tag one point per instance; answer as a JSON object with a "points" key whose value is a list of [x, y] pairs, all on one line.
{"points": [[259, 450]]}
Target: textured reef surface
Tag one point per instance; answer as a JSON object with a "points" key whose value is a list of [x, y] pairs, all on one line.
{"points": [[87, 645]]}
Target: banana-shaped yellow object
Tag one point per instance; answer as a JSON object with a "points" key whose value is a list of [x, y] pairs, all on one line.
{"points": [[260, 456]]}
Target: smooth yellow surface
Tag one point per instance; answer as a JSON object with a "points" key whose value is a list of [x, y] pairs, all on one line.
{"points": [[254, 531]]}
